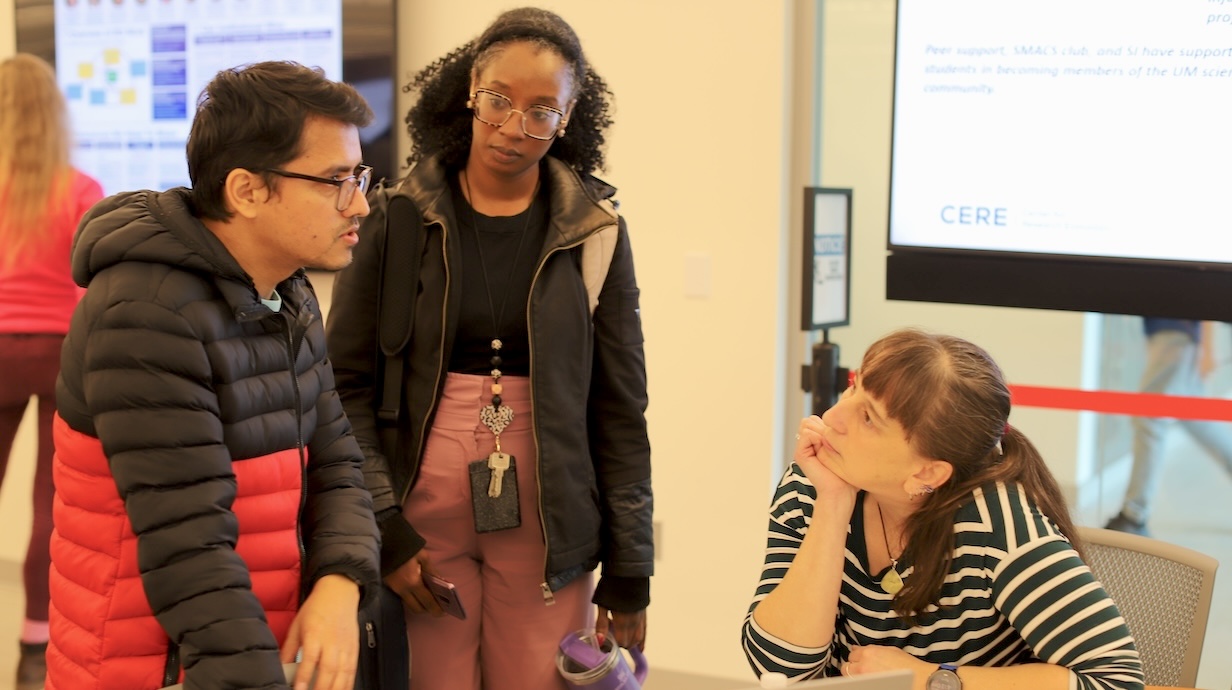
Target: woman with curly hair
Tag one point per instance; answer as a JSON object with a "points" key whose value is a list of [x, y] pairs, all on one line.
{"points": [[42, 198], [500, 396]]}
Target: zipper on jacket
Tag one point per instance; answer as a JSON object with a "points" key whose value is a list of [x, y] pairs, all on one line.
{"points": [[171, 670], [548, 597], [292, 349], [440, 371]]}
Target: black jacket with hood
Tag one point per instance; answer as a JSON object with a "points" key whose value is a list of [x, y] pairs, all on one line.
{"points": [[588, 378], [196, 391]]}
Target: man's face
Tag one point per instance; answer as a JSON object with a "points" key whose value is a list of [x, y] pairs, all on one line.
{"points": [[301, 225]]}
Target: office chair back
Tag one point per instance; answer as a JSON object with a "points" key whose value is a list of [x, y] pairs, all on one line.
{"points": [[1164, 593]]}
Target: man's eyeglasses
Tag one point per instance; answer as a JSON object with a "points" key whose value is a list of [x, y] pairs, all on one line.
{"points": [[538, 121], [347, 186]]}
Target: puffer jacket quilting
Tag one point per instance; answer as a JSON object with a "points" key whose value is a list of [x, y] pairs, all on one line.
{"points": [[218, 423]]}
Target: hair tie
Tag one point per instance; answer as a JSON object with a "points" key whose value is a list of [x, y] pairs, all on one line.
{"points": [[997, 447]]}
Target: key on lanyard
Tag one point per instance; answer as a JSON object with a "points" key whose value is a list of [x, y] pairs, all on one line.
{"points": [[498, 462]]}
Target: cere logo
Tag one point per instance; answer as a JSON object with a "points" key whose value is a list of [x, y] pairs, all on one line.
{"points": [[829, 245], [954, 214]]}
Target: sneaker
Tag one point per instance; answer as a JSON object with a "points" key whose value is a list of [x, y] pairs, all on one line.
{"points": [[1123, 523], [32, 666]]}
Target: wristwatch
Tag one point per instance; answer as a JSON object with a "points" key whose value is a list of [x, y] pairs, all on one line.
{"points": [[944, 678]]}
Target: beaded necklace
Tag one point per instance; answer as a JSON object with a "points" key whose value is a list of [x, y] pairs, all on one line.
{"points": [[496, 416]]}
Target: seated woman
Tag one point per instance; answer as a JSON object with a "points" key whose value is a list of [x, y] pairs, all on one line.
{"points": [[917, 530]]}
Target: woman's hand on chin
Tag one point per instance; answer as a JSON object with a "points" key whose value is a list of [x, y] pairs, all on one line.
{"points": [[813, 457]]}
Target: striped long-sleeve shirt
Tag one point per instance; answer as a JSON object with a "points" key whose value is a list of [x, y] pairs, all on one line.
{"points": [[1017, 592]]}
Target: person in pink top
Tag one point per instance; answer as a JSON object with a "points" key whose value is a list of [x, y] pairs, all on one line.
{"points": [[42, 198]]}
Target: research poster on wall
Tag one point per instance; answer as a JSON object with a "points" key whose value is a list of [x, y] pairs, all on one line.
{"points": [[132, 70], [1089, 128]]}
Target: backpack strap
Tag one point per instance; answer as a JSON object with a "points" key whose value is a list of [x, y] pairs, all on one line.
{"points": [[597, 252], [399, 281]]}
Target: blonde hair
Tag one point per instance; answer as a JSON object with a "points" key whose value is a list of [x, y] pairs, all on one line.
{"points": [[34, 153]]}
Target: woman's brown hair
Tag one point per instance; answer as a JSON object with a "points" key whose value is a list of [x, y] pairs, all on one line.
{"points": [[34, 153], [953, 401]]}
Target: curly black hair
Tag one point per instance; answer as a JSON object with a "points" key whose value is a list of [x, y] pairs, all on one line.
{"points": [[440, 121]]}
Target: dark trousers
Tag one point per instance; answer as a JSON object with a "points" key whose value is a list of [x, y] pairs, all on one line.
{"points": [[28, 367]]}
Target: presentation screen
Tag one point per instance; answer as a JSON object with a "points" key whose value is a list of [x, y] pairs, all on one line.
{"points": [[131, 72], [1073, 154]]}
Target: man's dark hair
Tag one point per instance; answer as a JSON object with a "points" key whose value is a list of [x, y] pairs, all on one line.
{"points": [[252, 116], [440, 121]]}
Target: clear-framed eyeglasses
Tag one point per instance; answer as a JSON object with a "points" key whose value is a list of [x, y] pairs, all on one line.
{"points": [[347, 186], [494, 109]]}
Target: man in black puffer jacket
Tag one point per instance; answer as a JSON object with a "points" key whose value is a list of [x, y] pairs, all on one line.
{"points": [[210, 513]]}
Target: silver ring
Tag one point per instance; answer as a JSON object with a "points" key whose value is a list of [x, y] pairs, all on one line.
{"points": [[843, 670], [797, 437]]}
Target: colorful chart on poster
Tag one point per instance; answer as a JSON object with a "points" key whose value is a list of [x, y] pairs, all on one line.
{"points": [[132, 71]]}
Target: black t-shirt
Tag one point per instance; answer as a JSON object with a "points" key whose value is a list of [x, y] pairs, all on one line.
{"points": [[508, 275]]}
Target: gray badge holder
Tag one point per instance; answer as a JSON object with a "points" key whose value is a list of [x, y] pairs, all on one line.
{"points": [[501, 512]]}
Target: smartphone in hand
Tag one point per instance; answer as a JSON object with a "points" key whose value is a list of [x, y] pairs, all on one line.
{"points": [[446, 595]]}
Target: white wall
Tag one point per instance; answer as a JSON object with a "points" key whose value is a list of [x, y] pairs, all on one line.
{"points": [[709, 160], [8, 39]]}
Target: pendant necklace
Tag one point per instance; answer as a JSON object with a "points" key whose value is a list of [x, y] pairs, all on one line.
{"points": [[496, 416], [892, 582]]}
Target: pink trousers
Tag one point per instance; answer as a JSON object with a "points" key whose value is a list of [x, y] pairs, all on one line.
{"points": [[509, 638]]}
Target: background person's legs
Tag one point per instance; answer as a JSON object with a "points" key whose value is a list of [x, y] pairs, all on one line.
{"points": [[38, 553], [31, 364], [1171, 368], [1215, 438]]}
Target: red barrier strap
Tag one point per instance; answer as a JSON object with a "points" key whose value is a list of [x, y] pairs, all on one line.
{"points": [[1111, 402]]}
